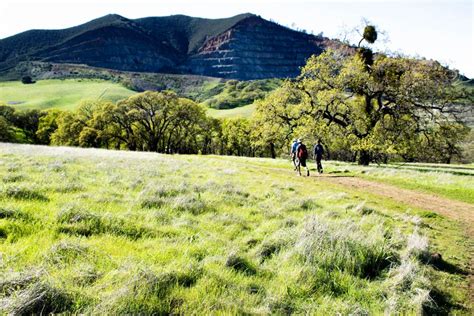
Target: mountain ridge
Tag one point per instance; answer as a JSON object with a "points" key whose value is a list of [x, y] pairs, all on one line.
{"points": [[243, 47]]}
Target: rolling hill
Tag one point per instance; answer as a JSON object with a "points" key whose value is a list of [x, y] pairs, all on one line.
{"points": [[242, 47]]}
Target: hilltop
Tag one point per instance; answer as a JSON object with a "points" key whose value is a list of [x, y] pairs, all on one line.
{"points": [[244, 47]]}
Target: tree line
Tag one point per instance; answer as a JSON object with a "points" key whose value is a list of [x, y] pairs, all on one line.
{"points": [[149, 121]]}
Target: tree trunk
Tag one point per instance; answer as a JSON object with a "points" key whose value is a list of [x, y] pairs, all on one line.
{"points": [[364, 158], [272, 150]]}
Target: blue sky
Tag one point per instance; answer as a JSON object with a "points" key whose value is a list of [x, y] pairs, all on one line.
{"points": [[437, 29]]}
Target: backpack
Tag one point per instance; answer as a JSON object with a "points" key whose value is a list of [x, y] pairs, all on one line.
{"points": [[302, 151]]}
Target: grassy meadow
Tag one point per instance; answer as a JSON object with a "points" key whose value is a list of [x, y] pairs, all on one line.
{"points": [[450, 181], [67, 94], [243, 111], [61, 94], [108, 232]]}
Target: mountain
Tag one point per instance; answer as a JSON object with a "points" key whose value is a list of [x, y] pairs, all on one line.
{"points": [[242, 47]]}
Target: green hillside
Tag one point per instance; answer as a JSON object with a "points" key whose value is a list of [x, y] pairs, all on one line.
{"points": [[61, 94], [87, 231], [68, 93], [243, 111]]}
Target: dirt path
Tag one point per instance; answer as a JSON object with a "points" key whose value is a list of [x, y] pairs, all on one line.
{"points": [[460, 211], [463, 212]]}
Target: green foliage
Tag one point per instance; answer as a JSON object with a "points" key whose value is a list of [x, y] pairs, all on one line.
{"points": [[236, 137], [7, 133], [27, 80], [370, 34], [374, 110], [233, 93]]}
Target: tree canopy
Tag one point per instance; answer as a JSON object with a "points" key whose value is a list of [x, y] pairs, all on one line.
{"points": [[375, 106]]}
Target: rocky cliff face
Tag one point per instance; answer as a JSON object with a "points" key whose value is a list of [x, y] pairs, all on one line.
{"points": [[255, 49], [242, 47]]}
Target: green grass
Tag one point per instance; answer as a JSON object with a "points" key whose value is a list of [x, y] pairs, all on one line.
{"points": [[243, 111], [67, 95], [107, 232], [61, 94], [454, 182], [232, 94]]}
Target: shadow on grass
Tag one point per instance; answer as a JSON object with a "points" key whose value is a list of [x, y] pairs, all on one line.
{"points": [[441, 304], [445, 266]]}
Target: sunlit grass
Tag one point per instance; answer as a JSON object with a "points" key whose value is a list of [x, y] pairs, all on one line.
{"points": [[61, 94], [108, 232]]}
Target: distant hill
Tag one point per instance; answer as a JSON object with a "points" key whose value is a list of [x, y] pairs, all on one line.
{"points": [[242, 47]]}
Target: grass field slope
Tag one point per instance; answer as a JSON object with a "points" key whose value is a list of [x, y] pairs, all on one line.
{"points": [[61, 94], [107, 232], [67, 94]]}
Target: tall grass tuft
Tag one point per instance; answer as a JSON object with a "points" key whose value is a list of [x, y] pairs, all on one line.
{"points": [[23, 193], [240, 264], [144, 291], [38, 298], [76, 221], [345, 246]]}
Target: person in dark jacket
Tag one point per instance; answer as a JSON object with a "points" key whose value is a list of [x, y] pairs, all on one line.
{"points": [[318, 152]]}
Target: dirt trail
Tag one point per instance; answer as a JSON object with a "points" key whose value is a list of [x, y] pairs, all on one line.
{"points": [[460, 211], [463, 212]]}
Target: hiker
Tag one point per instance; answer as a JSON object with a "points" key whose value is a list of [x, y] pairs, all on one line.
{"points": [[293, 152], [301, 155], [318, 152]]}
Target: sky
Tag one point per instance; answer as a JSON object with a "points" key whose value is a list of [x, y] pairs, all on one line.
{"points": [[434, 29]]}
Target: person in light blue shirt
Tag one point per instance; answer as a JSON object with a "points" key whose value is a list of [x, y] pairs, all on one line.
{"points": [[293, 152]]}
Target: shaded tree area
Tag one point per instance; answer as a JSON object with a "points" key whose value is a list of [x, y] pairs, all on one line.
{"points": [[150, 121], [19, 126]]}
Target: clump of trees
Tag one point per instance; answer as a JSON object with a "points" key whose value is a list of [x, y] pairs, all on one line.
{"points": [[368, 107], [149, 121]]}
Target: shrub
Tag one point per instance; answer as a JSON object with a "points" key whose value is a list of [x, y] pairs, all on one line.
{"points": [[27, 80]]}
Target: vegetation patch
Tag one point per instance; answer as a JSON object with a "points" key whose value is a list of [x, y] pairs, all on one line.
{"points": [[240, 264], [80, 222], [228, 245], [38, 298], [346, 247], [22, 193]]}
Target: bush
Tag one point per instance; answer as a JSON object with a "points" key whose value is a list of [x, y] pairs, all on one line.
{"points": [[27, 80]]}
